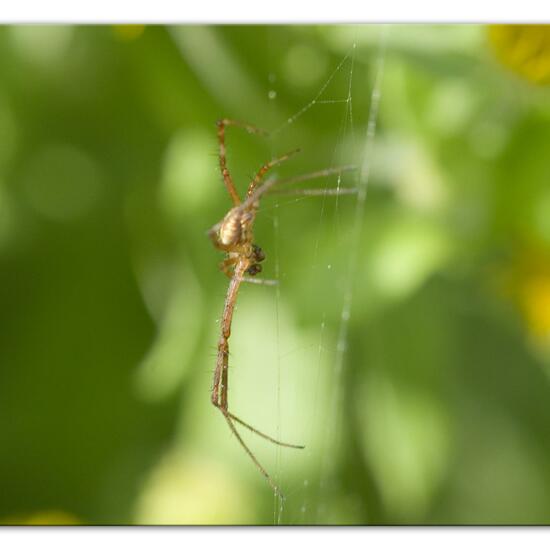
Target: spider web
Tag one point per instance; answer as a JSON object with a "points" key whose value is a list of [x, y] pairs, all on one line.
{"points": [[354, 136], [288, 359]]}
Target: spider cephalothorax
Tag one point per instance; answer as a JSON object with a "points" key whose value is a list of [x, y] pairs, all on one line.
{"points": [[234, 236]]}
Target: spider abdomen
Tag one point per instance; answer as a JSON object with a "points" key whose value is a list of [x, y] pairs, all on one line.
{"points": [[230, 229], [235, 227]]}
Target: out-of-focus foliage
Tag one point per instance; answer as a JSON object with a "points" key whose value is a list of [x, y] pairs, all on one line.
{"points": [[111, 296]]}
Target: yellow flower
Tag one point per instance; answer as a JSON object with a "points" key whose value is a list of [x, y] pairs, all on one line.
{"points": [[534, 294], [525, 49], [127, 33], [43, 517]]}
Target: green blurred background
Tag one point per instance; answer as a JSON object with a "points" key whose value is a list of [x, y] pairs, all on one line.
{"points": [[110, 294]]}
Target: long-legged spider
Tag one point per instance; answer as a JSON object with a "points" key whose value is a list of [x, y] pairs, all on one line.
{"points": [[234, 235]]}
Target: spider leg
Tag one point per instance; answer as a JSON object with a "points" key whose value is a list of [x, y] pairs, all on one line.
{"points": [[220, 386], [220, 391], [219, 395], [265, 168], [331, 192], [219, 400], [251, 129], [228, 266], [262, 470], [269, 186], [261, 434], [222, 124], [223, 163], [266, 282], [334, 171]]}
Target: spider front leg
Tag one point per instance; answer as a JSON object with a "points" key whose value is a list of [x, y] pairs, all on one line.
{"points": [[227, 266], [219, 395], [265, 168], [256, 257], [253, 257], [222, 125], [220, 386]]}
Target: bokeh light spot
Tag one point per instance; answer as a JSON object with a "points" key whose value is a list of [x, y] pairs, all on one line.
{"points": [[188, 177], [406, 256], [44, 45], [192, 490], [407, 441], [304, 66]]}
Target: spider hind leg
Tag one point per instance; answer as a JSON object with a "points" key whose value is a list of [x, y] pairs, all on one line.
{"points": [[231, 419], [261, 434], [251, 455]]}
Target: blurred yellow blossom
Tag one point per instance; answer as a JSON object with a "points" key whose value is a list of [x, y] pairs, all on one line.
{"points": [[43, 517], [535, 304], [126, 33], [523, 48], [527, 284]]}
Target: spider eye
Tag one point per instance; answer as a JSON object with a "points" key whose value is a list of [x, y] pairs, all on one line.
{"points": [[258, 253], [254, 269]]}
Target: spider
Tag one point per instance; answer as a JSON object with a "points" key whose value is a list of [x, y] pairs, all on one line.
{"points": [[234, 236]]}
